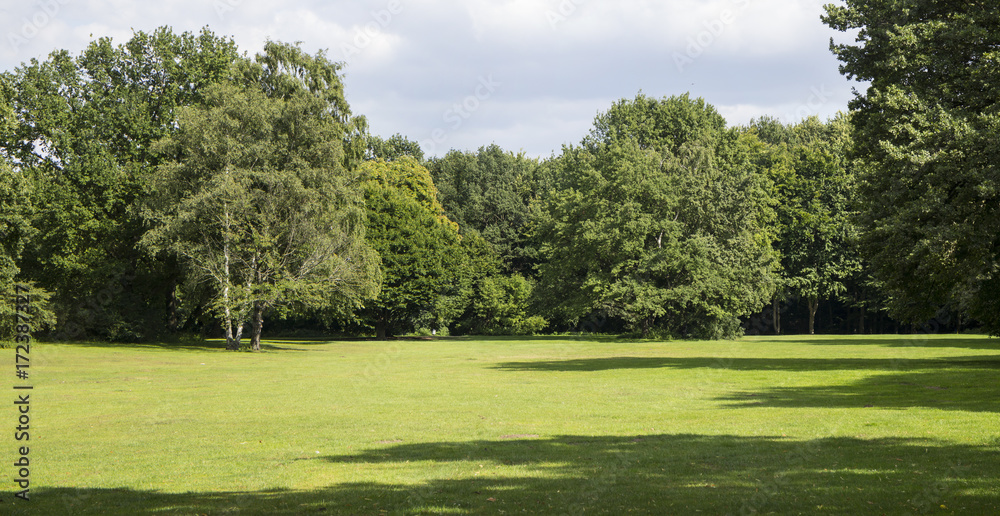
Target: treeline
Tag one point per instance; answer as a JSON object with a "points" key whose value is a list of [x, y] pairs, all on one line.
{"points": [[174, 186]]}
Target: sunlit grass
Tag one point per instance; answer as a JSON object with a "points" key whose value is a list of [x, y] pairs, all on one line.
{"points": [[844, 425]]}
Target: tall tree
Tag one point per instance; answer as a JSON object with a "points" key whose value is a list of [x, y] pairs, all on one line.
{"points": [[257, 196], [83, 135], [15, 205], [925, 131], [422, 257], [814, 189], [661, 222]]}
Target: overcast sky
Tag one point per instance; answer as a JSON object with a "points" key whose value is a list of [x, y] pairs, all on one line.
{"points": [[528, 75]]}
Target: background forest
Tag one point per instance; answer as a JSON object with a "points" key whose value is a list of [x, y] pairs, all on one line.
{"points": [[172, 186]]}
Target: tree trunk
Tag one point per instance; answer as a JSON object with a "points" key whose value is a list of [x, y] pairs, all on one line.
{"points": [[647, 324], [776, 316], [227, 327], [813, 305], [258, 324], [861, 321], [380, 330], [227, 323], [173, 304]]}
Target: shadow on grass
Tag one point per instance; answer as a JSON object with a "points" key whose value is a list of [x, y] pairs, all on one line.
{"points": [[972, 389], [750, 364], [642, 474], [902, 341], [199, 345]]}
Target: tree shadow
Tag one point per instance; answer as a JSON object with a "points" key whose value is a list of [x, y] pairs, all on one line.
{"points": [[971, 389], [749, 364], [194, 345], [902, 341], [640, 474]]}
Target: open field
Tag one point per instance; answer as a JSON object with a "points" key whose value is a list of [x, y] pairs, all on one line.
{"points": [[790, 425]]}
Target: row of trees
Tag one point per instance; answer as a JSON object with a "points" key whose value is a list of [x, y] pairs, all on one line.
{"points": [[172, 185]]}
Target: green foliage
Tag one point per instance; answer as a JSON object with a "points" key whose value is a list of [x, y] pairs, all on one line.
{"points": [[814, 188], [258, 201], [15, 231], [661, 125], [658, 230], [285, 71], [502, 304], [420, 249], [393, 148], [493, 192], [238, 178], [926, 132], [40, 317], [82, 137], [15, 220]]}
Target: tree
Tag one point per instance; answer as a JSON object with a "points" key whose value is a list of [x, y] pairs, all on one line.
{"points": [[257, 197], [16, 209], [82, 136], [420, 248], [925, 133], [393, 148], [15, 206], [814, 189], [661, 222], [493, 192], [502, 304]]}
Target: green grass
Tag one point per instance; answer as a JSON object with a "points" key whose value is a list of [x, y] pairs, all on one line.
{"points": [[793, 425]]}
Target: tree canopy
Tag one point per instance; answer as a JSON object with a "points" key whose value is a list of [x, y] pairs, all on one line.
{"points": [[420, 248], [257, 197], [171, 184], [492, 191], [662, 228], [925, 133], [814, 194], [83, 132]]}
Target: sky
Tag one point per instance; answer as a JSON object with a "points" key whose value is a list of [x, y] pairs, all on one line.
{"points": [[528, 75]]}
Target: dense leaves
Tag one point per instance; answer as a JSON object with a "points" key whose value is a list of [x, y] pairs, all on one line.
{"points": [[662, 228], [258, 201], [420, 249], [82, 136], [814, 191], [492, 191], [925, 132]]}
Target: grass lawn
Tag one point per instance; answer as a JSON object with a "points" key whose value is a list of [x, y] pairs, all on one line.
{"points": [[791, 425]]}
